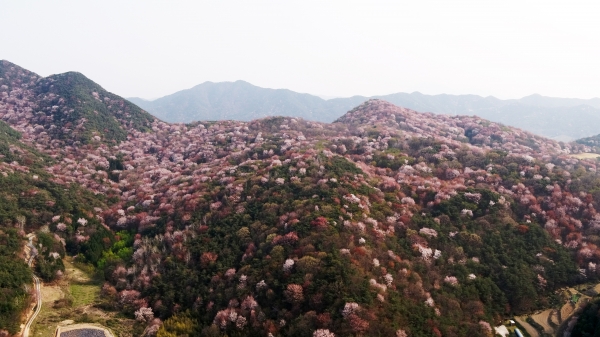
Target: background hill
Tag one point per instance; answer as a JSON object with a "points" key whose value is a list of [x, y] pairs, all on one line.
{"points": [[562, 119], [235, 100]]}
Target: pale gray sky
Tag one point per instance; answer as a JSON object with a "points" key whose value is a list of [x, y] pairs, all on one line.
{"points": [[149, 49]]}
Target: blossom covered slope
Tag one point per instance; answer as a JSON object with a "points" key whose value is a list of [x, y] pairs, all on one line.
{"points": [[385, 222]]}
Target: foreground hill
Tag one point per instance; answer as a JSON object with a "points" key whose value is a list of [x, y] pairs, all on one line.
{"points": [[32, 201], [52, 114], [386, 222], [562, 119]]}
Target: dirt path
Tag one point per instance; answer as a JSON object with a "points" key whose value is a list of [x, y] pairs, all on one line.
{"points": [[38, 293], [530, 330]]}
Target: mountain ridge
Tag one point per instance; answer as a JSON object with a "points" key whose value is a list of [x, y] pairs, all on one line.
{"points": [[74, 103], [238, 100]]}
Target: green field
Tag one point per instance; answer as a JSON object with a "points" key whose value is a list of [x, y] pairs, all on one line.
{"points": [[83, 294]]}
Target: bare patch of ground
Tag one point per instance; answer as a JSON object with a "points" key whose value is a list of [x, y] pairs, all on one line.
{"points": [[586, 155], [530, 330], [591, 292], [566, 311], [554, 318], [75, 274], [51, 293]]}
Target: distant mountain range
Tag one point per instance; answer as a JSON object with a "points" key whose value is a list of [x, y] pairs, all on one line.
{"points": [[562, 119]]}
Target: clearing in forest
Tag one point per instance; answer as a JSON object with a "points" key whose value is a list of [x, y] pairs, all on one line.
{"points": [[72, 300]]}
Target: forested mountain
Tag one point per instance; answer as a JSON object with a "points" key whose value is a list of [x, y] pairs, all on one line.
{"points": [[563, 119], [238, 101], [53, 115], [386, 222], [68, 107]]}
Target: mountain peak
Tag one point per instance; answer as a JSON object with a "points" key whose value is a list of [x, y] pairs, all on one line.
{"points": [[67, 108]]}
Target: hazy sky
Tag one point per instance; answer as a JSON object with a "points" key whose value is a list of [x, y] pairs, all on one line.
{"points": [[149, 49]]}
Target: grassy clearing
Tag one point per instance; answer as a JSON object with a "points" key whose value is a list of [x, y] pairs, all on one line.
{"points": [[73, 299], [84, 294]]}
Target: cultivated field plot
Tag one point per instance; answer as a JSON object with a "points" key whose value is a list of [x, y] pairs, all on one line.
{"points": [[530, 330], [543, 319], [551, 320]]}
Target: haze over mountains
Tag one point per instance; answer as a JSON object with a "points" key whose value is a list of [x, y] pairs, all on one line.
{"points": [[563, 119]]}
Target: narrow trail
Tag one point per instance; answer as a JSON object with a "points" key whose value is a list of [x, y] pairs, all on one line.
{"points": [[38, 307], [38, 293]]}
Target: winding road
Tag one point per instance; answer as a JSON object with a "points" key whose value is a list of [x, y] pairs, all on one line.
{"points": [[38, 293]]}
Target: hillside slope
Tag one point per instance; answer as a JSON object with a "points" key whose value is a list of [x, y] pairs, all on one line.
{"points": [[52, 115], [32, 201], [289, 202], [386, 221]]}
